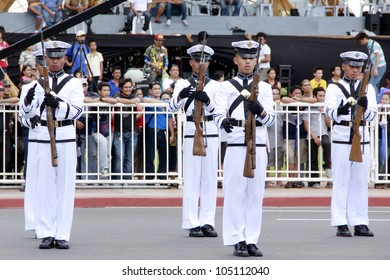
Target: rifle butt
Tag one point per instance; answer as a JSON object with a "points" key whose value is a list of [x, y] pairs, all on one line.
{"points": [[199, 148], [249, 172], [356, 151]]}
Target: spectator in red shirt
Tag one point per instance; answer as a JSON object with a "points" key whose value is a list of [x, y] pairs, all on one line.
{"points": [[3, 61]]}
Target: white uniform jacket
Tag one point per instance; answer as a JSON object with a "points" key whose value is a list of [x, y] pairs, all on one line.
{"points": [[342, 133], [224, 102], [71, 107], [212, 88]]}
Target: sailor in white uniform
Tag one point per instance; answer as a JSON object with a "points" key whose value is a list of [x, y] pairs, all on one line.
{"points": [[243, 197], [55, 186], [200, 172], [350, 179], [31, 175]]}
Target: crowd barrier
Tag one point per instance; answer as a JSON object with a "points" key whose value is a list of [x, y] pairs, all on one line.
{"points": [[94, 147]]}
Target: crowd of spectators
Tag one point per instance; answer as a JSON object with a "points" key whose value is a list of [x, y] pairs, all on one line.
{"points": [[121, 140], [51, 12]]}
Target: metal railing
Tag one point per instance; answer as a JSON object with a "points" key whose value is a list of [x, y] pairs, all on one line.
{"points": [[94, 148]]}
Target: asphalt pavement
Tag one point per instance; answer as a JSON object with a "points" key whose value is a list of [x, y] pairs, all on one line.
{"points": [[154, 233]]}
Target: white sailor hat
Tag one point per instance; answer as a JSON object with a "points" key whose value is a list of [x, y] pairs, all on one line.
{"points": [[246, 49], [196, 52], [354, 58], [38, 56], [56, 49]]}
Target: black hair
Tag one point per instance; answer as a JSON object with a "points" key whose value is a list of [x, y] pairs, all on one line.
{"points": [[261, 34], [317, 89], [217, 74], [117, 67], [91, 41], [317, 68], [103, 84], [294, 88], [361, 35], [334, 68], [123, 81], [154, 83], [275, 87]]}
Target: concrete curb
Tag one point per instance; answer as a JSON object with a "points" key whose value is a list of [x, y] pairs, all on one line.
{"points": [[101, 202]]}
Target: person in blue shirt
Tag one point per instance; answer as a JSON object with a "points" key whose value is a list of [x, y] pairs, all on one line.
{"points": [[156, 126], [77, 54], [51, 11], [114, 82], [377, 57]]}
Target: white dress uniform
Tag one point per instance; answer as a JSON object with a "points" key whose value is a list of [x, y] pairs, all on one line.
{"points": [[31, 174], [350, 179], [200, 172], [243, 197], [55, 186]]}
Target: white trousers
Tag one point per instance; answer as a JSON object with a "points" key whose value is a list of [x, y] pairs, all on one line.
{"points": [[200, 183], [103, 149], [30, 187], [350, 187], [243, 197], [55, 189]]}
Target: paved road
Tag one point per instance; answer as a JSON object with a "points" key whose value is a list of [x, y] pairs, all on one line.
{"points": [[155, 234]]}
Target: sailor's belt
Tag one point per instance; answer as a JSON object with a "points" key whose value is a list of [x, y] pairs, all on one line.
{"points": [[191, 118], [349, 123], [241, 123], [59, 123]]}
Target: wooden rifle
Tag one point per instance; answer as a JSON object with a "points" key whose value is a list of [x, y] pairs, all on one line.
{"points": [[49, 110], [199, 148], [356, 151], [250, 124]]}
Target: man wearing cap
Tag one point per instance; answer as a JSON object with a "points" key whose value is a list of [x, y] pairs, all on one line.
{"points": [[349, 204], [200, 172], [156, 59], [243, 197], [55, 186], [77, 54]]}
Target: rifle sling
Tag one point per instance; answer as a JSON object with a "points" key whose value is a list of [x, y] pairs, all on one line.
{"points": [[240, 98], [191, 80], [56, 89], [354, 94], [346, 93]]}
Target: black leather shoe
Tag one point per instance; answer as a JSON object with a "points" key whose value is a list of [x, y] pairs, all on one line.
{"points": [[209, 231], [62, 244], [47, 243], [254, 251], [362, 230], [240, 249], [343, 231], [196, 232]]}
